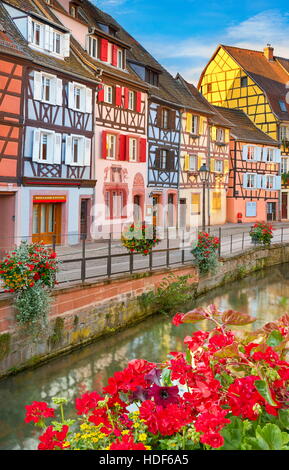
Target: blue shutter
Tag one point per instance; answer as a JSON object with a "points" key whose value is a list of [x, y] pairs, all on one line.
{"points": [[251, 209], [245, 152], [245, 180], [277, 155], [277, 183]]}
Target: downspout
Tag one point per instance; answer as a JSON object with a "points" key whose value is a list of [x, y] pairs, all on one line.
{"points": [[179, 166]]}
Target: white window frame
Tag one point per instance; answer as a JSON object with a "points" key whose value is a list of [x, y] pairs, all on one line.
{"points": [[254, 176], [195, 124], [93, 44], [193, 163], [266, 182], [41, 34], [131, 100], [54, 146], [220, 135], [133, 149], [219, 166], [85, 97], [108, 94], [111, 142], [284, 164], [284, 132], [120, 58]]}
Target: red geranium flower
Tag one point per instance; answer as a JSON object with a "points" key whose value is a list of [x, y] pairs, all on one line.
{"points": [[37, 411], [51, 439], [126, 443]]}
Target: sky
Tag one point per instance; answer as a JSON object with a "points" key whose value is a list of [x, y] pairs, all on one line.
{"points": [[182, 35]]}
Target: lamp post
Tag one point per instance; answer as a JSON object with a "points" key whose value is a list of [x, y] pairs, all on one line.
{"points": [[204, 177]]}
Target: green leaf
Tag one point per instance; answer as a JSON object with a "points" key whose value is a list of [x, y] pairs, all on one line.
{"points": [[232, 317], [269, 437], [233, 434], [274, 338], [284, 418], [166, 377], [264, 390]]}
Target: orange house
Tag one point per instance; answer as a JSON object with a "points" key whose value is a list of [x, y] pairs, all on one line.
{"points": [[254, 172], [12, 63]]}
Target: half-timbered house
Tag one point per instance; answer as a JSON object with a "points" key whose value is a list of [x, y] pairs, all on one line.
{"points": [[256, 83], [254, 178], [58, 93], [204, 139], [120, 152]]}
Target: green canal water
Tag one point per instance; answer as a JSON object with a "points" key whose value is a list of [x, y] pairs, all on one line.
{"points": [[264, 295]]}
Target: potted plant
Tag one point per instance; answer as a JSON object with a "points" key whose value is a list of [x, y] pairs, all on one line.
{"points": [[205, 252], [140, 238], [261, 233]]}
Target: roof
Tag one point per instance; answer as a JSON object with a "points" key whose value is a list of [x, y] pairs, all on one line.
{"points": [[271, 76], [71, 65], [244, 129], [8, 44]]}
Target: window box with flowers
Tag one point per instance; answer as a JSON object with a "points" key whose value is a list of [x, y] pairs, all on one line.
{"points": [[261, 233], [29, 273], [140, 238]]}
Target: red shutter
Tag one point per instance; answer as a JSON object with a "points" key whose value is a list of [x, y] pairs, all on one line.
{"points": [[114, 55], [103, 50], [104, 144], [125, 98], [118, 96], [127, 137], [122, 147], [100, 95], [142, 150], [138, 102]]}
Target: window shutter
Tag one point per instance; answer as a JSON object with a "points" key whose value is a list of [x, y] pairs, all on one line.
{"points": [[214, 133], [125, 98], [66, 45], [118, 91], [87, 152], [264, 154], [212, 164], [187, 162], [29, 29], [245, 152], [245, 180], [277, 155], [114, 55], [142, 150], [138, 102], [100, 95], [258, 153], [103, 50], [189, 122], [50, 47], [227, 136], [157, 164], [159, 116], [104, 144], [277, 182], [127, 137], [260, 181], [68, 150], [59, 93], [226, 166], [122, 147], [47, 37], [171, 160], [88, 100], [37, 85], [57, 148], [202, 121], [172, 119], [36, 146], [71, 95]]}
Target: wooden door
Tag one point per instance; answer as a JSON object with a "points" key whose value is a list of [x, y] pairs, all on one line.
{"points": [[156, 200], [46, 223], [84, 217], [271, 211], [284, 205]]}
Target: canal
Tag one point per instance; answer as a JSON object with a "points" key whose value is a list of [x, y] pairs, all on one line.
{"points": [[265, 295]]}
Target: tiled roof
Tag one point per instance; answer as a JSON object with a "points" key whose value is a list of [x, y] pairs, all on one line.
{"points": [[244, 129], [270, 76]]}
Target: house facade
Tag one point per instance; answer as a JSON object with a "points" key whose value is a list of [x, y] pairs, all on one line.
{"points": [[254, 82], [55, 174], [254, 175]]}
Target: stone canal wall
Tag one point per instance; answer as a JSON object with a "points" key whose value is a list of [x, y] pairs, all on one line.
{"points": [[82, 313]]}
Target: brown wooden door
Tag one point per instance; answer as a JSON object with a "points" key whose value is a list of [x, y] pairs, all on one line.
{"points": [[284, 205], [271, 211], [46, 223], [84, 217]]}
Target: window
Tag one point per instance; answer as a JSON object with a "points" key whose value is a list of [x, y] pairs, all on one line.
{"points": [[114, 204], [244, 82], [193, 163], [195, 125], [46, 89], [219, 166], [284, 132], [93, 47], [79, 97], [270, 155], [132, 149], [217, 203], [48, 38], [120, 59], [283, 106], [269, 181], [284, 165], [152, 77], [56, 43], [251, 153], [72, 10], [37, 30], [44, 147], [76, 141], [131, 100], [251, 209], [196, 203], [220, 135], [108, 94], [251, 180], [111, 146], [165, 118], [77, 151]]}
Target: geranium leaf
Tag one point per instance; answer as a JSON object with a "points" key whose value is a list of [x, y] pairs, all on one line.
{"points": [[232, 317], [264, 390], [284, 418], [194, 316], [232, 350], [274, 339]]}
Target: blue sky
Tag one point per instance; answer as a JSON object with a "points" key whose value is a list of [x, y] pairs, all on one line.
{"points": [[182, 35]]}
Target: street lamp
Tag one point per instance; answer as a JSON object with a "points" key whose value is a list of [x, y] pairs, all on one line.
{"points": [[204, 177]]}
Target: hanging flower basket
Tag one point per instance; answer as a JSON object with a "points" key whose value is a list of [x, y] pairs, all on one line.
{"points": [[261, 233], [140, 238]]}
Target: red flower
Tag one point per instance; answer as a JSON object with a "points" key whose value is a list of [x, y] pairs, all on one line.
{"points": [[51, 439], [163, 396], [127, 443], [87, 402], [166, 421], [243, 396], [37, 411], [212, 439], [178, 319]]}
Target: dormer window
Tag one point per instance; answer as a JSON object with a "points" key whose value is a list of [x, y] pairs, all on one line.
{"points": [[56, 42], [48, 39], [108, 94], [93, 47], [37, 32], [283, 106], [152, 77], [220, 135], [120, 59]]}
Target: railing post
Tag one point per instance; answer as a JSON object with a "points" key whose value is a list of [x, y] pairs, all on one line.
{"points": [[220, 238], [151, 260], [83, 260], [243, 240], [183, 247], [282, 234], [54, 242], [168, 248], [231, 246], [131, 262], [109, 257]]}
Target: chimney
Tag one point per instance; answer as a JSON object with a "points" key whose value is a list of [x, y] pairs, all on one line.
{"points": [[269, 52]]}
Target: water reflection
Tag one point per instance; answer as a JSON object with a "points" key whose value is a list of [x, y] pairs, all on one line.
{"points": [[264, 295]]}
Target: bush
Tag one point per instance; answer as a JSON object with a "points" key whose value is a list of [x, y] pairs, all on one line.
{"points": [[140, 238], [205, 253], [226, 391], [261, 233]]}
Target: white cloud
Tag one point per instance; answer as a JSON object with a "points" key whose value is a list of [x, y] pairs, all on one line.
{"points": [[109, 3]]}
